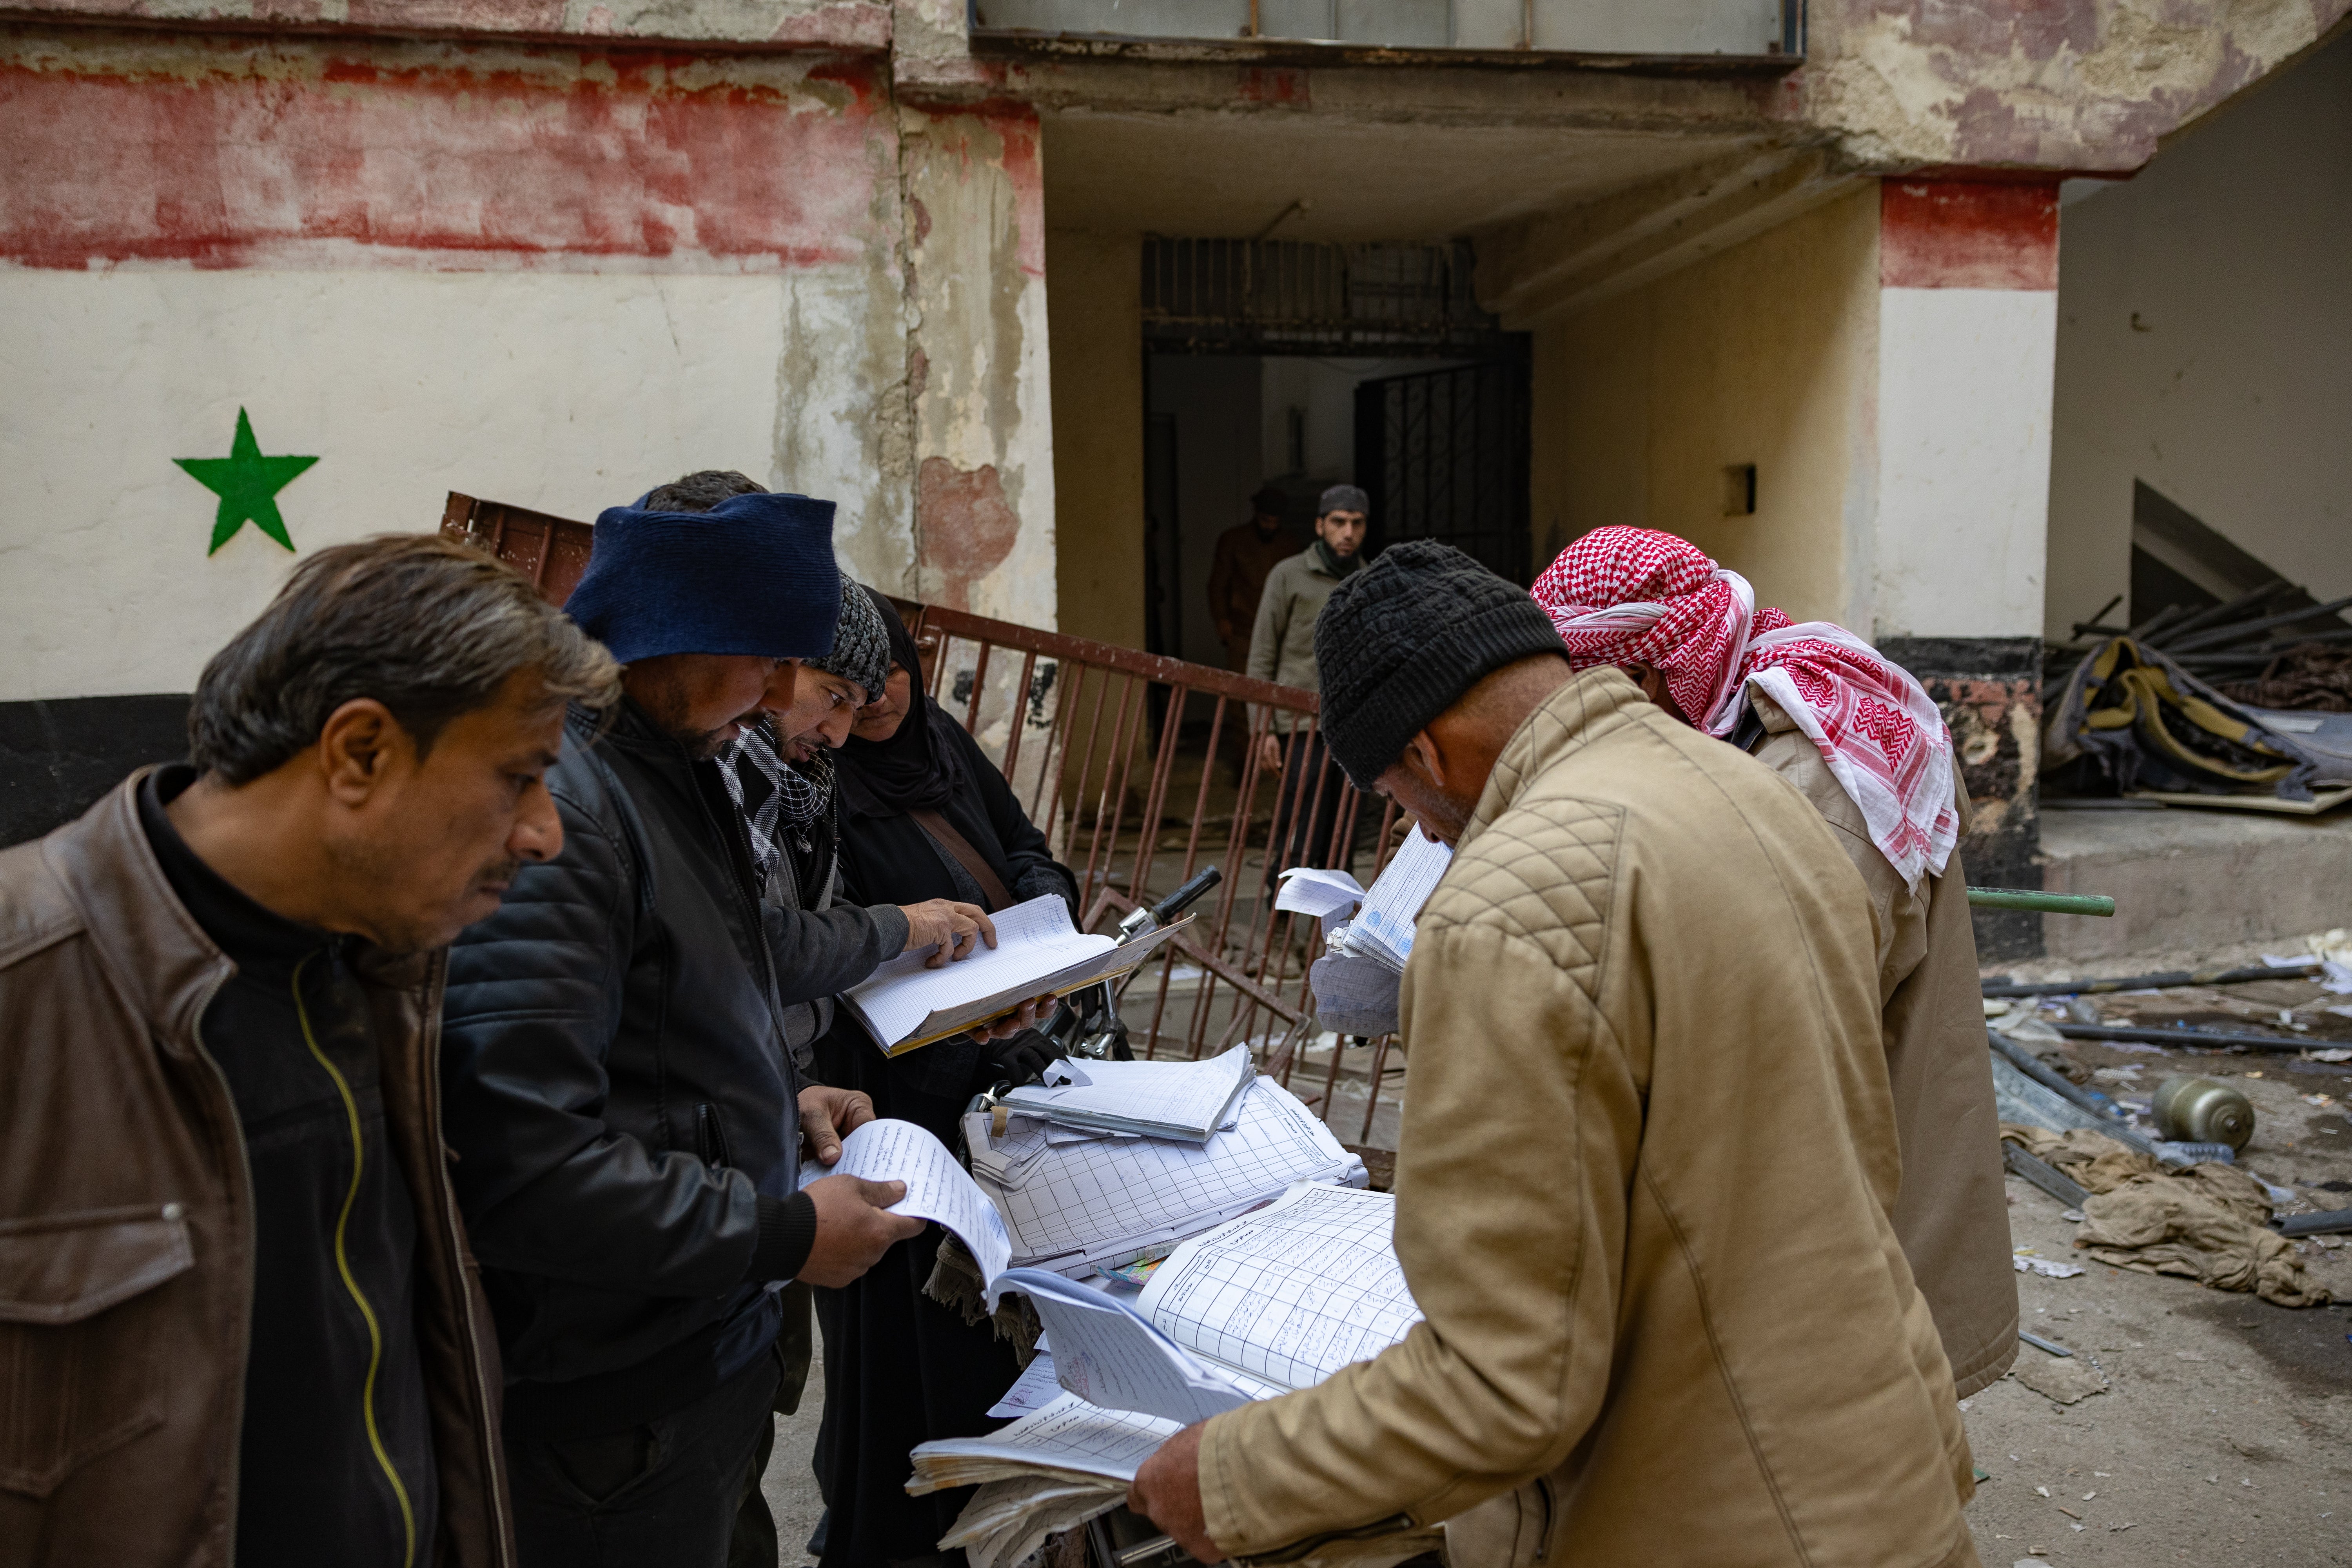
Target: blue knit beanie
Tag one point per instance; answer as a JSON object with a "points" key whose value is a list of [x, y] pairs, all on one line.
{"points": [[754, 574]]}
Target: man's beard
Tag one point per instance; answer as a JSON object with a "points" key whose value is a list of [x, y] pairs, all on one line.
{"points": [[699, 744]]}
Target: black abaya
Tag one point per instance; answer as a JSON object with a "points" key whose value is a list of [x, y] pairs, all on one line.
{"points": [[899, 1368]]}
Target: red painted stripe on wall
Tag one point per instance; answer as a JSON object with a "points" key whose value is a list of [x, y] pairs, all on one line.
{"points": [[441, 168], [1968, 233]]}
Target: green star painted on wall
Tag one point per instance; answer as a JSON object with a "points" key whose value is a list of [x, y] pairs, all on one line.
{"points": [[247, 484]]}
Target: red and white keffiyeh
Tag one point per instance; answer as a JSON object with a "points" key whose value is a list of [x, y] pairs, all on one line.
{"points": [[1634, 595]]}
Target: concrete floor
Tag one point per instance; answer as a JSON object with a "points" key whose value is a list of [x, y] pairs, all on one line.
{"points": [[2191, 878], [790, 1485], [2224, 1434]]}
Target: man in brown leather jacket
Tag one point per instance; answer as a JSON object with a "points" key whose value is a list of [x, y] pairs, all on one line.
{"points": [[239, 1319]]}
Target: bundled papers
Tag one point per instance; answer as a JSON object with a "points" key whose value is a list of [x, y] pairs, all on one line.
{"points": [[1166, 1099], [904, 1005], [1008, 1520], [1072, 1206]]}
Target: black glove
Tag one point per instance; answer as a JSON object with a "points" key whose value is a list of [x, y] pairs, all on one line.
{"points": [[1019, 1058]]}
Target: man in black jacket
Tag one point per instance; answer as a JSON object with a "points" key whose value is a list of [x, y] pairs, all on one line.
{"points": [[622, 1109]]}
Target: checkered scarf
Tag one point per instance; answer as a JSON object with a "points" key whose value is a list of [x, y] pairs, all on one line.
{"points": [[1633, 595], [773, 795]]}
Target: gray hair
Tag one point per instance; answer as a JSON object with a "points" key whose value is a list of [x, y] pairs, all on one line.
{"points": [[430, 628]]}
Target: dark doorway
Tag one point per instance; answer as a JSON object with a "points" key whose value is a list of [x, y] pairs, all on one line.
{"points": [[1283, 368]]}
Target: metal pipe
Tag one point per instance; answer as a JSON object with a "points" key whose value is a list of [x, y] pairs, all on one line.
{"points": [[2171, 977], [2237, 606], [2043, 903], [2300, 1224], [2083, 627], [2204, 1038], [2050, 1078], [2043, 1174], [2222, 637]]}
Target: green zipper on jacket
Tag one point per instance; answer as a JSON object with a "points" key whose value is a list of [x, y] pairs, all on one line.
{"points": [[343, 1266]]}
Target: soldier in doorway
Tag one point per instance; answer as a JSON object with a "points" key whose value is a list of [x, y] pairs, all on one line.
{"points": [[1282, 649], [1247, 555]]}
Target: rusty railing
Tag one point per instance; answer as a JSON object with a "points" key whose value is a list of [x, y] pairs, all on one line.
{"points": [[1141, 770]]}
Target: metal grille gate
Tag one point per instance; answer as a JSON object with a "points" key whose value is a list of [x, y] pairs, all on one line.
{"points": [[1442, 453]]}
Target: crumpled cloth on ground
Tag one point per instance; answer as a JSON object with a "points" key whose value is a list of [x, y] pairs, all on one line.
{"points": [[956, 1283], [2209, 1223]]}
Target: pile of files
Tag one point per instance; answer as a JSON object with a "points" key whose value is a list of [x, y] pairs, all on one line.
{"points": [[1274, 1301], [1080, 1192]]}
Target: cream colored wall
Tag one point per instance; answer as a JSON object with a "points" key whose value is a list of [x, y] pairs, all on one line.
{"points": [[1094, 315], [1761, 354], [2205, 344]]}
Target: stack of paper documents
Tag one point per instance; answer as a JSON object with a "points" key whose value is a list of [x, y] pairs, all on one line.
{"points": [[1158, 1100], [1276, 1301], [904, 1005], [1008, 1520], [1072, 1206]]}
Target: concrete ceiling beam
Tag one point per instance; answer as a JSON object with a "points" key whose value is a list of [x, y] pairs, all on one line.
{"points": [[1541, 269]]}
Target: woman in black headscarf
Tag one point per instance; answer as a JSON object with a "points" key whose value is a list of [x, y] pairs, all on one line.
{"points": [[924, 814]]}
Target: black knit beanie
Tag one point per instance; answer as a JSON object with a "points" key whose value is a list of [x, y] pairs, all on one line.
{"points": [[1401, 640]]}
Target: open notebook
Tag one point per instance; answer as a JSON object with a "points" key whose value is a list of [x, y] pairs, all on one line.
{"points": [[1276, 1301], [904, 1005]]}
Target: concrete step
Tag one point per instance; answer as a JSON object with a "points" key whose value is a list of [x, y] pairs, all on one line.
{"points": [[2184, 877]]}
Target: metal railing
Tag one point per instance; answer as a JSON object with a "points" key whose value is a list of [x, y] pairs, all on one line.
{"points": [[1141, 770], [1129, 763]]}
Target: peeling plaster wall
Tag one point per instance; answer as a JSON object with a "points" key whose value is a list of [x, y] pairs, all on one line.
{"points": [[2205, 345], [1097, 389], [977, 364], [2086, 85], [1762, 354], [548, 276]]}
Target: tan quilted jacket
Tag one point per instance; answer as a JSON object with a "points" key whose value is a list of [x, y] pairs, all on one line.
{"points": [[1952, 1216], [1642, 1188]]}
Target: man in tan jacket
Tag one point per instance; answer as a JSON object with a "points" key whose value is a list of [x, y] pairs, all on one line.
{"points": [[1644, 1173], [1864, 744]]}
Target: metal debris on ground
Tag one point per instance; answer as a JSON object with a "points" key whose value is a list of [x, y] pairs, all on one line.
{"points": [[2168, 978], [2195, 1109], [2310, 675], [2137, 709]]}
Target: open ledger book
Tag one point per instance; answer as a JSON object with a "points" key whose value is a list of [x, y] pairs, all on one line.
{"points": [[903, 1004], [1278, 1298]]}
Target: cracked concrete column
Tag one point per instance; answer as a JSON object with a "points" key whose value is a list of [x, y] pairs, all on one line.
{"points": [[1967, 315], [976, 359]]}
